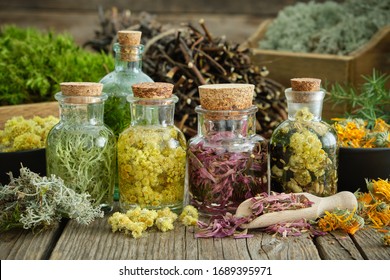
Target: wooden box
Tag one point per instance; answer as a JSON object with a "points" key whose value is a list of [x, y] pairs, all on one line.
{"points": [[284, 65]]}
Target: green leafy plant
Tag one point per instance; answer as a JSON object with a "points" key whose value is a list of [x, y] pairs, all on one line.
{"points": [[371, 102], [34, 63]]}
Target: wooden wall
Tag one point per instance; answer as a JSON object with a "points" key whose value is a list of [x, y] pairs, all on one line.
{"points": [[248, 7], [236, 19]]}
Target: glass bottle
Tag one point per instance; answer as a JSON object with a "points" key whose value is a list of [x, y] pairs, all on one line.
{"points": [[117, 84], [227, 160], [152, 151], [304, 148], [81, 149]]}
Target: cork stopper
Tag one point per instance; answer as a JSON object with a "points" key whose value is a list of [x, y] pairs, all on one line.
{"points": [[81, 92], [226, 96], [152, 90], [129, 37], [305, 84], [81, 89]]}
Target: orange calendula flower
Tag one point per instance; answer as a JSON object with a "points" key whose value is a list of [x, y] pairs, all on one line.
{"points": [[374, 206], [355, 133], [345, 220], [381, 189]]}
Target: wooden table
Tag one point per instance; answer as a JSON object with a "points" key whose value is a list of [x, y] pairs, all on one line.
{"points": [[71, 241]]}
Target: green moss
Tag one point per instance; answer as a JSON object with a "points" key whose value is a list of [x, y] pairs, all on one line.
{"points": [[37, 62]]}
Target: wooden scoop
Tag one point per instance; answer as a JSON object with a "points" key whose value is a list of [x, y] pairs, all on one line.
{"points": [[341, 200]]}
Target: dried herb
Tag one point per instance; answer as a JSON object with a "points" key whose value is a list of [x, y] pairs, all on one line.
{"points": [[229, 225], [151, 167], [25, 134], [329, 27], [295, 228], [356, 133], [138, 220], [274, 202], [32, 202], [303, 156], [220, 177], [85, 159], [348, 221], [373, 211], [374, 206], [222, 226]]}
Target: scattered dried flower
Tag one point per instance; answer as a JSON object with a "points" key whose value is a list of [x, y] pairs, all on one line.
{"points": [[348, 221], [229, 225], [356, 133]]}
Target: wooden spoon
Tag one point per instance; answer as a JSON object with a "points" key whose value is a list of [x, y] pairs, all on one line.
{"points": [[341, 200]]}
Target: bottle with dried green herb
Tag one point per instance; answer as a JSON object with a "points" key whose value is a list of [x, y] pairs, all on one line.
{"points": [[152, 151], [227, 160], [81, 149], [304, 148]]}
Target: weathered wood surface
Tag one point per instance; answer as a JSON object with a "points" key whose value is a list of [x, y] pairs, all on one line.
{"points": [[21, 244], [97, 242]]}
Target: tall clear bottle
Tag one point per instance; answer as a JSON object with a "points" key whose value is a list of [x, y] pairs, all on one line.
{"points": [[227, 160], [117, 84], [304, 148], [152, 151], [81, 149]]}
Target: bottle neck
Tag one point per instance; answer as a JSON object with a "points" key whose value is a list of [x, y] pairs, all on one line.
{"points": [[128, 58], [304, 105], [81, 110], [226, 124], [157, 112]]}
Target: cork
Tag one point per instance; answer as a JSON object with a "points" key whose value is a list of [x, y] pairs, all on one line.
{"points": [[226, 96], [305, 84], [129, 37], [81, 89], [152, 90]]}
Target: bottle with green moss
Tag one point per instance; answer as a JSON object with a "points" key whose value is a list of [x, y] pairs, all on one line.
{"points": [[81, 149], [152, 151], [304, 148], [117, 84]]}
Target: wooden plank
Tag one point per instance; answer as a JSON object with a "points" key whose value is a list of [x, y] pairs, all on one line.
{"points": [[43, 109], [97, 242], [210, 249], [337, 245], [278, 248], [370, 243], [19, 244]]}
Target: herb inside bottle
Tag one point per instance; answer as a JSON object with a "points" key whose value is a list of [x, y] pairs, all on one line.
{"points": [[227, 160], [81, 149]]}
